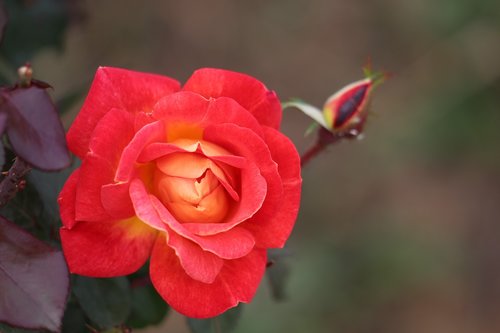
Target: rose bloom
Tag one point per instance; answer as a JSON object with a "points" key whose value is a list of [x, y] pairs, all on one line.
{"points": [[197, 179]]}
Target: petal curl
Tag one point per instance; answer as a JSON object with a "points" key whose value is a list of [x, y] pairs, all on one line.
{"points": [[116, 88], [200, 265], [246, 90], [273, 232], [107, 249], [150, 133], [143, 206], [237, 282]]}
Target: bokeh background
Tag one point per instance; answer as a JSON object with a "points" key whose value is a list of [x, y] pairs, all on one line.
{"points": [[398, 232]]}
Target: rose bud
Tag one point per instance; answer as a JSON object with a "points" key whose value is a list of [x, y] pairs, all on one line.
{"points": [[343, 115], [347, 108], [345, 111]]}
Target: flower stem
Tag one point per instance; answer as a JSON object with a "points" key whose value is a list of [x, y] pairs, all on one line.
{"points": [[311, 153], [13, 180]]}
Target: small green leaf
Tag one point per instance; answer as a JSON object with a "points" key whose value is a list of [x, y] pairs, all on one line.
{"points": [[225, 323], [106, 302], [310, 110], [148, 308]]}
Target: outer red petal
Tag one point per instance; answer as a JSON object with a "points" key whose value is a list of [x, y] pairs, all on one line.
{"points": [[273, 232], [116, 88], [94, 173], [183, 107], [112, 134], [237, 282], [67, 199], [107, 249], [191, 108], [226, 110], [246, 90], [115, 199], [200, 265]]}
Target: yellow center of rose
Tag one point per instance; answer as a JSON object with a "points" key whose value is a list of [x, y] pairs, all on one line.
{"points": [[189, 184]]}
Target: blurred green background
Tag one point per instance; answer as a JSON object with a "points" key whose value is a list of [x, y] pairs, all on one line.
{"points": [[398, 232]]}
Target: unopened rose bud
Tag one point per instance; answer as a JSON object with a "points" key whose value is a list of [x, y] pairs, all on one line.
{"points": [[25, 74], [343, 115], [344, 112], [346, 108]]}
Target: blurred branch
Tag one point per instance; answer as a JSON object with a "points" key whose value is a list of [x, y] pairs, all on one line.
{"points": [[13, 180]]}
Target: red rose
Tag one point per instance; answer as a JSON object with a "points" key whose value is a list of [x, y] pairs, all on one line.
{"points": [[199, 180]]}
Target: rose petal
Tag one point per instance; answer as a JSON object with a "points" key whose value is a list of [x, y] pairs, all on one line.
{"points": [[270, 104], [158, 149], [246, 90], [142, 119], [273, 232], [182, 107], [115, 199], [186, 165], [116, 88], [67, 199], [107, 249], [234, 243], [237, 282], [148, 134], [94, 173], [143, 206], [200, 265], [208, 149], [226, 110], [112, 134]]}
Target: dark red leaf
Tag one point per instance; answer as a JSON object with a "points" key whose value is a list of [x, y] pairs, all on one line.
{"points": [[34, 128], [34, 280]]}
